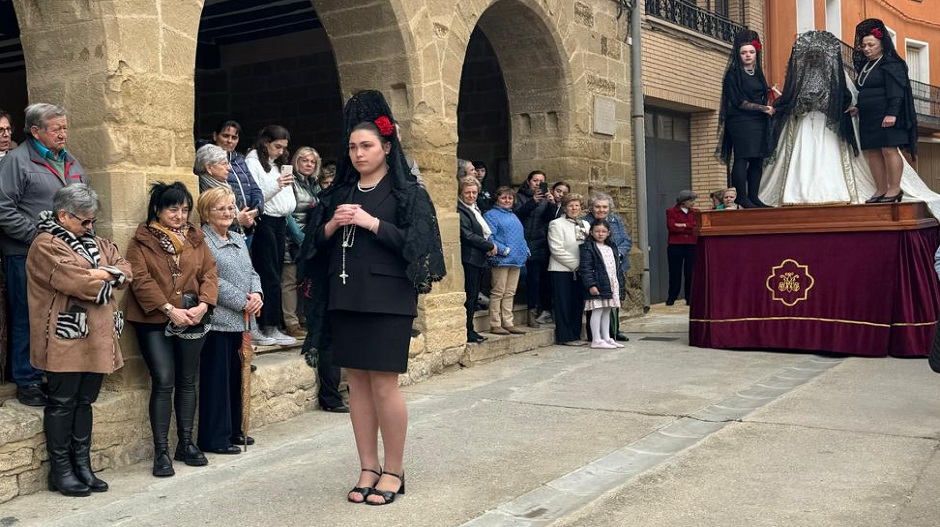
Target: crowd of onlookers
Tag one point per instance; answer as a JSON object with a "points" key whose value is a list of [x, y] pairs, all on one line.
{"points": [[193, 291], [570, 252]]}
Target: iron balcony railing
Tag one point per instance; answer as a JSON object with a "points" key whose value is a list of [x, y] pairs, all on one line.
{"points": [[689, 15], [926, 96]]}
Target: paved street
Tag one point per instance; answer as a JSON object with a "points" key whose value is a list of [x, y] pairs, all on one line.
{"points": [[656, 434]]}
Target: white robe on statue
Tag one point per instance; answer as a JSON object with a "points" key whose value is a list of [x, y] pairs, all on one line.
{"points": [[813, 166]]}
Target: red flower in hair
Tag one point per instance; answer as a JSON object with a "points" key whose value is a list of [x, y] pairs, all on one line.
{"points": [[876, 32], [386, 128], [756, 44]]}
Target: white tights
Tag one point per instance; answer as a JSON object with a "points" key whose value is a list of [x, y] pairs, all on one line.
{"points": [[600, 324]]}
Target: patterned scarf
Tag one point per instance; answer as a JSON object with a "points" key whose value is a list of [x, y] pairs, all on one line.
{"points": [[85, 246], [171, 241]]}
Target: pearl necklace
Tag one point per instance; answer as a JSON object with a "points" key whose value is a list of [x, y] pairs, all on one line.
{"points": [[349, 238], [866, 70], [751, 71], [367, 189]]}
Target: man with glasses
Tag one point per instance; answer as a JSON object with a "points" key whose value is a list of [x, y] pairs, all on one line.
{"points": [[6, 133], [30, 175]]}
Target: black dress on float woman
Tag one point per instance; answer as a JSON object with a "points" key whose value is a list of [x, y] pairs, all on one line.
{"points": [[744, 139], [884, 89]]}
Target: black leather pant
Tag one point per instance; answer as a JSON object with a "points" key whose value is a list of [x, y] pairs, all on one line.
{"points": [[173, 363]]}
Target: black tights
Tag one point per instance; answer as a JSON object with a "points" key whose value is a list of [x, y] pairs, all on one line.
{"points": [[173, 363], [745, 177]]}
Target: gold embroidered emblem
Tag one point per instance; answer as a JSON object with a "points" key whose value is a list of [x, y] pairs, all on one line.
{"points": [[790, 282]]}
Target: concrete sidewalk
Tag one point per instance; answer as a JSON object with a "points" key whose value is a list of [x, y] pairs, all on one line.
{"points": [[654, 434]]}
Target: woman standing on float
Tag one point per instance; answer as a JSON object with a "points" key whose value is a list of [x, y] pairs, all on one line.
{"points": [[744, 119], [886, 116], [372, 245]]}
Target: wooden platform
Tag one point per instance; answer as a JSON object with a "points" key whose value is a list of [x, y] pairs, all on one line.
{"points": [[819, 218]]}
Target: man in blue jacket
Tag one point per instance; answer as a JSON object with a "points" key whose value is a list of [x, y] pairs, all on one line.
{"points": [[29, 176]]}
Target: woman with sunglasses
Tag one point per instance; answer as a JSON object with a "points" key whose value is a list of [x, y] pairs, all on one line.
{"points": [[76, 329]]}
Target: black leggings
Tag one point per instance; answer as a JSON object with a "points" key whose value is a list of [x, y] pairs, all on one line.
{"points": [[173, 363], [746, 174]]}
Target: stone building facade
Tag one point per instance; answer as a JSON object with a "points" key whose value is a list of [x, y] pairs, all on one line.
{"points": [[127, 72]]}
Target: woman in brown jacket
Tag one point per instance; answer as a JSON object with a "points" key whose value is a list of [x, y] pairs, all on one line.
{"points": [[175, 285], [75, 331]]}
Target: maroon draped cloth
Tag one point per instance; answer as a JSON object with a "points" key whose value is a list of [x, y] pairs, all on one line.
{"points": [[858, 293]]}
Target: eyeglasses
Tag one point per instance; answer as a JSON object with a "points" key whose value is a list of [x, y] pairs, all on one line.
{"points": [[6, 130], [230, 208], [86, 224]]}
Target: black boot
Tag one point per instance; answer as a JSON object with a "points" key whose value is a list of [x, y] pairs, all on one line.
{"points": [[186, 451], [189, 453], [57, 423], [81, 432], [162, 465]]}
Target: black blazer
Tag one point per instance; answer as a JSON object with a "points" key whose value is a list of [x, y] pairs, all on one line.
{"points": [[593, 273], [473, 247], [375, 267]]}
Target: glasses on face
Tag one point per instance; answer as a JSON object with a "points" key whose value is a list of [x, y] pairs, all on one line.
{"points": [[86, 224], [229, 208], [6, 130]]}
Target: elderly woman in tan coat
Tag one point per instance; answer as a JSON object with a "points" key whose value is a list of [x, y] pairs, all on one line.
{"points": [[75, 329]]}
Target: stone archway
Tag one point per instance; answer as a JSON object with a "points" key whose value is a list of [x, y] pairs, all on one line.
{"points": [[526, 40], [267, 64], [535, 76], [483, 125]]}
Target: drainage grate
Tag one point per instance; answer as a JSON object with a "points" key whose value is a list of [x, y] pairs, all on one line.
{"points": [[661, 339]]}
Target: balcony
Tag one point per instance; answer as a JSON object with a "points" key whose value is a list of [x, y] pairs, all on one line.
{"points": [[926, 96], [690, 16]]}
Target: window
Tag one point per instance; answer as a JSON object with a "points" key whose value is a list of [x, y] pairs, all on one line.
{"points": [[834, 17]]}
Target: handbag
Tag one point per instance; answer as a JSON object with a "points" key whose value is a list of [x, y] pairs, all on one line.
{"points": [[196, 331]]}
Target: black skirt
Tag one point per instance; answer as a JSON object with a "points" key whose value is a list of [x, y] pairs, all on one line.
{"points": [[872, 107], [371, 341], [748, 136]]}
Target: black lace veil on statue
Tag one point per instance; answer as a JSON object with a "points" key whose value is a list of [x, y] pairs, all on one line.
{"points": [[815, 81], [895, 68], [735, 71]]}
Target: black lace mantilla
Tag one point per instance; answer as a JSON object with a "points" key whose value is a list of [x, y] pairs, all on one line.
{"points": [[815, 82]]}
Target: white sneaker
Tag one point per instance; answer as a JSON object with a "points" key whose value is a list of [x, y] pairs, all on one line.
{"points": [[279, 338], [259, 339], [483, 300], [545, 318]]}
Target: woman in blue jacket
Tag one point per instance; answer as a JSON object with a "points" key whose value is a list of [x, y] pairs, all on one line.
{"points": [[511, 255]]}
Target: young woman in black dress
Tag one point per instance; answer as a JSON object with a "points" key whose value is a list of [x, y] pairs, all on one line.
{"points": [[375, 246], [886, 116], [744, 119]]}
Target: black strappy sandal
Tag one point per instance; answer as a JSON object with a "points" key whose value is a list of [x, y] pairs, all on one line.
{"points": [[364, 491], [387, 495]]}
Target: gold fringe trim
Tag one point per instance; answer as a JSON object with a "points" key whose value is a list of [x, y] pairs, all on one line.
{"points": [[815, 319]]}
